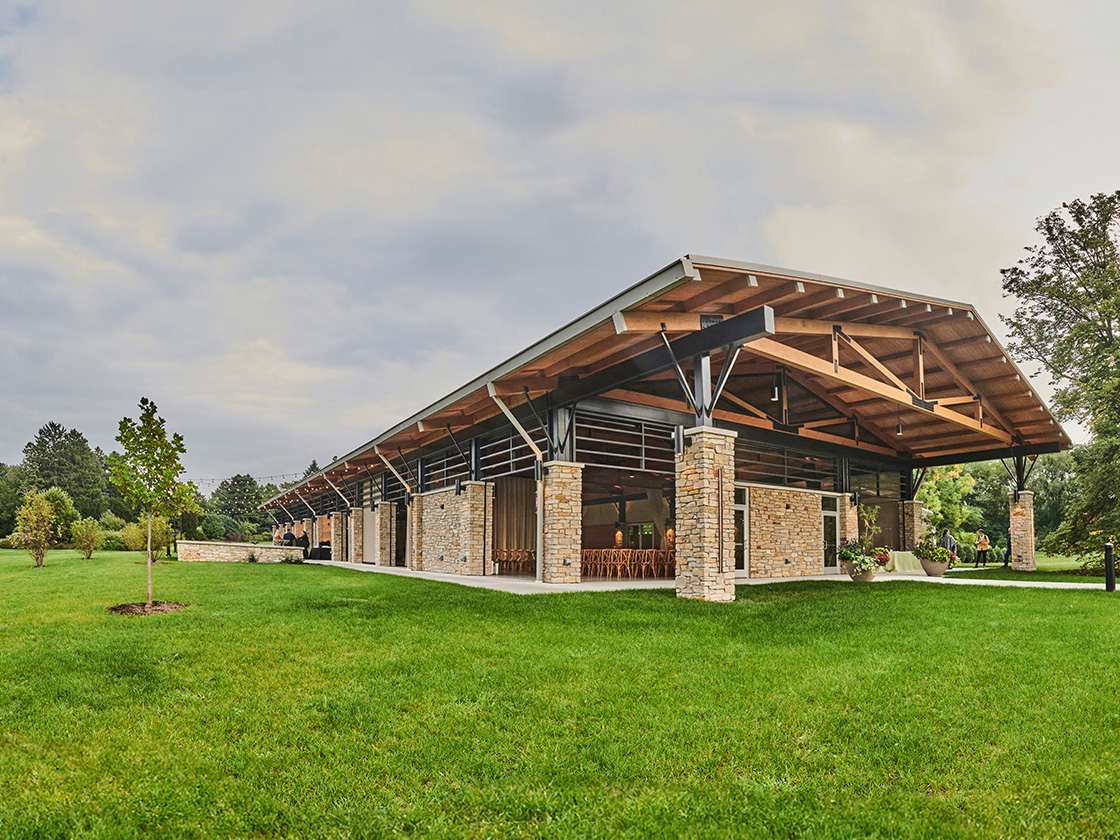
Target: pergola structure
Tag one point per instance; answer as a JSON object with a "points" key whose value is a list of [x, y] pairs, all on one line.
{"points": [[735, 412]]}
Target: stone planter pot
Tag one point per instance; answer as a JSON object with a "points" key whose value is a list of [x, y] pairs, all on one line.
{"points": [[933, 568], [850, 570]]}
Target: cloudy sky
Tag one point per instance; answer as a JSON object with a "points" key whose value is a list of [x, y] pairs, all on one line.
{"points": [[292, 224]]}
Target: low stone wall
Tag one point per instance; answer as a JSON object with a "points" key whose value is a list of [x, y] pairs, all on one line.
{"points": [[227, 552], [786, 533], [448, 533]]}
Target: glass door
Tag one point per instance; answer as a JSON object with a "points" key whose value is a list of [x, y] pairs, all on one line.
{"points": [[830, 510], [742, 533]]}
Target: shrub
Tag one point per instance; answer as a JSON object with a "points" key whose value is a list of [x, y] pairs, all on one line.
{"points": [[65, 514], [215, 526], [966, 548], [111, 541], [291, 558], [188, 523], [111, 522], [134, 537], [86, 536], [252, 558]]}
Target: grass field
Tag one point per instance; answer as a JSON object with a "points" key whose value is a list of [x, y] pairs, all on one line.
{"points": [[309, 701], [1049, 568]]}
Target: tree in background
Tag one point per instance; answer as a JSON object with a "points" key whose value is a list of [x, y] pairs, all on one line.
{"points": [[1068, 292], [11, 484], [148, 471], [188, 524], [312, 468], [943, 493], [1054, 484], [113, 497], [61, 457], [86, 536], [35, 525]]}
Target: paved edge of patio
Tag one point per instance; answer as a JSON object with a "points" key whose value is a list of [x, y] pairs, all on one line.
{"points": [[527, 586]]}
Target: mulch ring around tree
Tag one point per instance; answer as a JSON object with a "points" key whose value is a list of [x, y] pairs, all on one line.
{"points": [[147, 609]]}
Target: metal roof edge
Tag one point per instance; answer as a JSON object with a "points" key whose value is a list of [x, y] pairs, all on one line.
{"points": [[676, 272], [824, 278]]}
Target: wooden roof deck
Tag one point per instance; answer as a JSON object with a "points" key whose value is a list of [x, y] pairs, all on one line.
{"points": [[852, 363]]}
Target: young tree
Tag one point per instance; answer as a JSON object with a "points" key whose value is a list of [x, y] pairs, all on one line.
{"points": [[86, 536], [65, 514], [148, 471], [35, 525]]}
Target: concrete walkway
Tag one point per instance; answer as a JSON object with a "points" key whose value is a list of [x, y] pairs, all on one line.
{"points": [[528, 586]]}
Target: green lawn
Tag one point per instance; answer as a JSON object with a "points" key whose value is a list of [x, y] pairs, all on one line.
{"points": [[309, 701], [1048, 569]]}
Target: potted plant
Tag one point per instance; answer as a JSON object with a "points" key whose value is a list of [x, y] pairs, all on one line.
{"points": [[935, 559], [861, 561]]}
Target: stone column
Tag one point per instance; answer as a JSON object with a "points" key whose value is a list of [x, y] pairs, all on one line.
{"points": [[563, 522], [708, 461], [307, 528], [415, 532], [476, 527], [386, 522], [849, 519], [338, 537], [357, 534], [909, 524], [1022, 531]]}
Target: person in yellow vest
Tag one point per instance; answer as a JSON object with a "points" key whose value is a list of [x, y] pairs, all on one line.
{"points": [[982, 546]]}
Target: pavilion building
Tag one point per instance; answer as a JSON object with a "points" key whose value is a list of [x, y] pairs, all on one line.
{"points": [[718, 421]]}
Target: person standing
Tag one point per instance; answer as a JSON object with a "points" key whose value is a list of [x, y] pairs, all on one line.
{"points": [[947, 541], [982, 546]]}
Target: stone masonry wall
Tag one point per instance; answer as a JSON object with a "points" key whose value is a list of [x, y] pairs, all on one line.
{"points": [[1022, 531], [357, 535], [450, 534], [195, 551], [338, 537], [699, 575], [787, 533], [910, 523], [386, 521], [563, 522]]}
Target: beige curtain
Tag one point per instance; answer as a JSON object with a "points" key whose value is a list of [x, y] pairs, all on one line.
{"points": [[660, 506], [515, 518]]}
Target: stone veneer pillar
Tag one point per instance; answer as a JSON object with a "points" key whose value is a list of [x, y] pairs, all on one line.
{"points": [[338, 537], [357, 535], [563, 522], [910, 523], [1022, 531], [707, 462], [414, 529], [308, 529], [386, 522]]}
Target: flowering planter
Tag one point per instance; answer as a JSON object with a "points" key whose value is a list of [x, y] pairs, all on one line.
{"points": [[850, 570], [933, 568]]}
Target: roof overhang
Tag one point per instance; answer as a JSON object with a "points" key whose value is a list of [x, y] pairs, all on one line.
{"points": [[857, 364]]}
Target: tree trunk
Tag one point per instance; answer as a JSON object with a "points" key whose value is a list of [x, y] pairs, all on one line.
{"points": [[149, 558]]}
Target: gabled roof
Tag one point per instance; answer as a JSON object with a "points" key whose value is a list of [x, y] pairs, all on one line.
{"points": [[854, 364]]}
